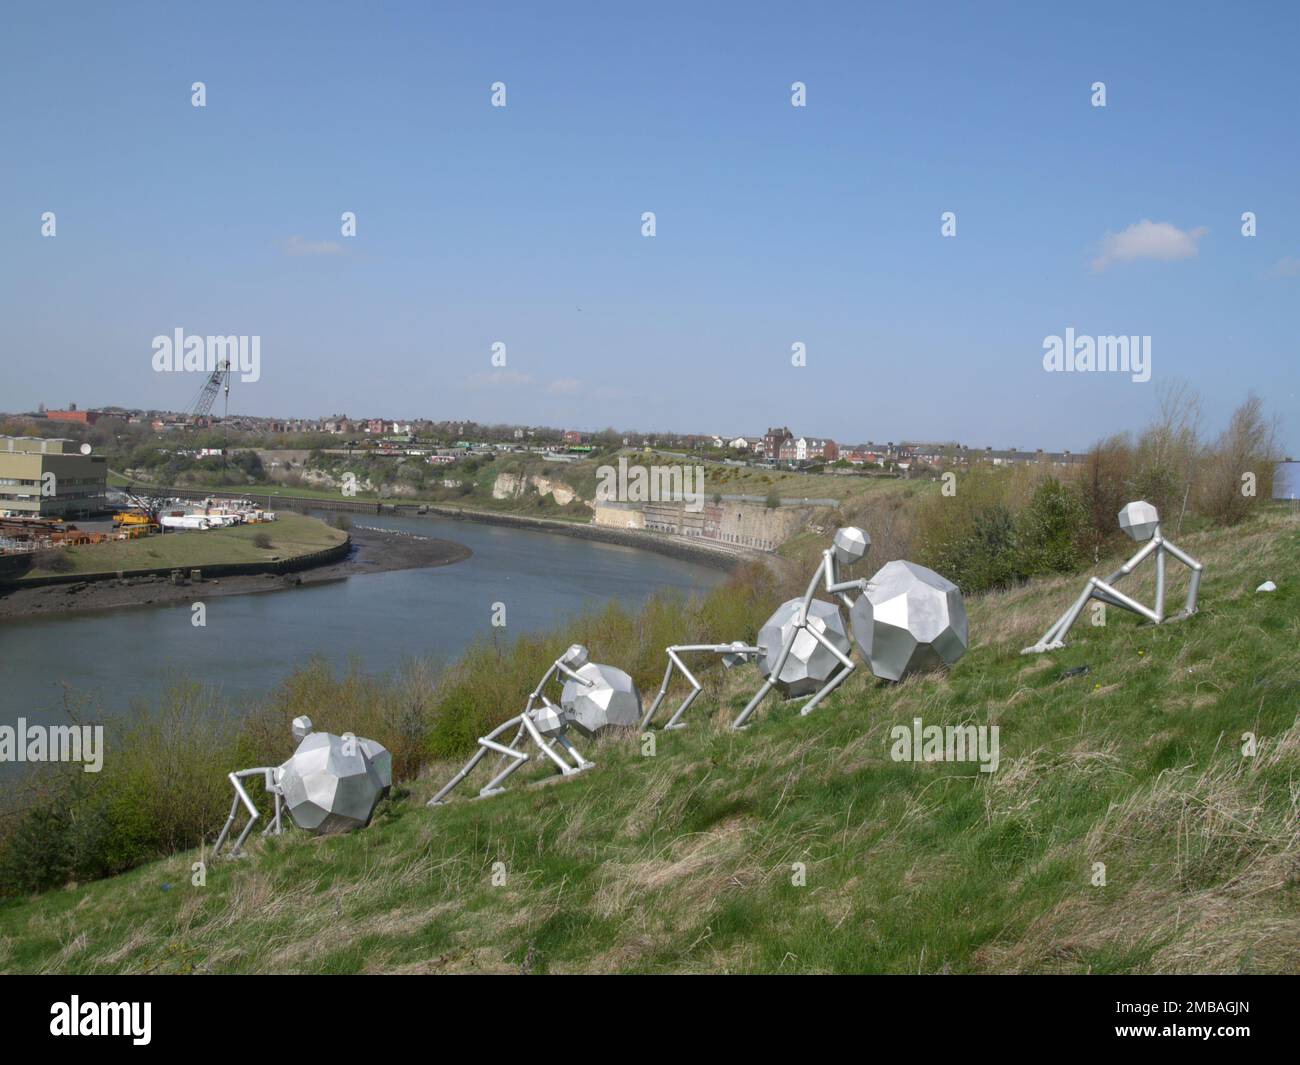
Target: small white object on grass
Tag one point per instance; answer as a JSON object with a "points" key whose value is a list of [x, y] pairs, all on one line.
{"points": [[1267, 586]]}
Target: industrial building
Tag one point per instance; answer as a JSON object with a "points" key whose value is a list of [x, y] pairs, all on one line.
{"points": [[50, 478]]}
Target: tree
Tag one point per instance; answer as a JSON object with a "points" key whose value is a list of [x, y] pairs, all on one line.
{"points": [[1239, 467]]}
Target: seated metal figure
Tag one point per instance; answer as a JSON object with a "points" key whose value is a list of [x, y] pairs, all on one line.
{"points": [[804, 645], [330, 784], [1141, 521]]}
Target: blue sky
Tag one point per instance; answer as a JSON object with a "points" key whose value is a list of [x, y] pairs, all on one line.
{"points": [[775, 224]]}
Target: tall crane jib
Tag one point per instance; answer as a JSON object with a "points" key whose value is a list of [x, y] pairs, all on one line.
{"points": [[208, 393]]}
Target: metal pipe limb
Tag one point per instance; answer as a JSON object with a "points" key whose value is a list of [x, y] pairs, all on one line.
{"points": [[1132, 604], [759, 695], [1160, 585], [648, 716], [547, 749], [676, 720], [474, 760], [830, 686]]}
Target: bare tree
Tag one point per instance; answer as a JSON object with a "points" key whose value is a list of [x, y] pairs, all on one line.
{"points": [[1239, 467]]}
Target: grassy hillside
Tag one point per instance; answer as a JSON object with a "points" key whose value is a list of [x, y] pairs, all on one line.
{"points": [[290, 535], [682, 861]]}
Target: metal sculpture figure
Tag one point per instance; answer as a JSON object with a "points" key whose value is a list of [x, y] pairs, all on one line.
{"points": [[330, 784], [804, 645], [594, 698], [1141, 521], [905, 619]]}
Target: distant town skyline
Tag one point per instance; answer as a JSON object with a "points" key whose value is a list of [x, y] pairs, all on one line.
{"points": [[363, 425], [727, 218]]}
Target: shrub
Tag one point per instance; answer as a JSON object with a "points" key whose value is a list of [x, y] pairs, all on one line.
{"points": [[1049, 530]]}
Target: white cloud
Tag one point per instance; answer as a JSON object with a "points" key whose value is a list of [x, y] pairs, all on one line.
{"points": [[564, 386], [299, 245], [1160, 241]]}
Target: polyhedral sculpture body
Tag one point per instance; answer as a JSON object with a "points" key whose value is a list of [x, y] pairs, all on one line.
{"points": [[609, 699], [817, 633], [918, 621]]}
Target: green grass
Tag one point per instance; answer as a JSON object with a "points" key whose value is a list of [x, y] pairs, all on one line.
{"points": [[291, 535], [682, 861]]}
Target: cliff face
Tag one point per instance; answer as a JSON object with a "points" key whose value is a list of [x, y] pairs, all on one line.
{"points": [[740, 523], [512, 486]]}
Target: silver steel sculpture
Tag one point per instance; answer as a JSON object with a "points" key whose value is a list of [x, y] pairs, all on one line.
{"points": [[904, 620], [804, 645], [1142, 522], [330, 784], [594, 699], [917, 618]]}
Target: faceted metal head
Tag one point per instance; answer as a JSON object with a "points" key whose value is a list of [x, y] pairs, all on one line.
{"points": [[918, 621], [610, 701], [301, 728], [549, 721], [575, 657], [331, 784], [851, 545], [732, 658], [810, 664], [1139, 519]]}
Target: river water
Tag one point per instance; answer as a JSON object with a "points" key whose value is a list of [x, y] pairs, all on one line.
{"points": [[112, 660]]}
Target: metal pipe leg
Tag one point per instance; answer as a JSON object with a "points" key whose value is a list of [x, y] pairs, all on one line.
{"points": [[493, 786], [676, 720], [221, 837], [485, 745], [1193, 587], [759, 696], [1132, 604], [835, 680], [1054, 635], [663, 690], [829, 687], [547, 749], [770, 682], [1194, 584], [1160, 584], [576, 754]]}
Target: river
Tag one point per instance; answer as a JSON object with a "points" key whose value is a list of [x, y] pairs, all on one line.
{"points": [[109, 661]]}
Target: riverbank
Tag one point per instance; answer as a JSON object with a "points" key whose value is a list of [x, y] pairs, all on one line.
{"points": [[370, 551], [694, 549]]}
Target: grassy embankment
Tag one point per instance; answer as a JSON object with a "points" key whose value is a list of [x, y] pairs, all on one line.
{"points": [[682, 861], [290, 536]]}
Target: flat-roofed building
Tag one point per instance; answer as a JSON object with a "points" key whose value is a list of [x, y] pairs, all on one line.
{"points": [[50, 478]]}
